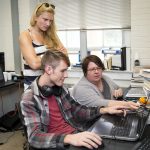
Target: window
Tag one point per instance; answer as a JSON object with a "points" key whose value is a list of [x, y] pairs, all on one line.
{"points": [[71, 40], [62, 37], [94, 38], [96, 41], [112, 38]]}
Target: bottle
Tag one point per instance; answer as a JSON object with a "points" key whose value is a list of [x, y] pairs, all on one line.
{"points": [[136, 61]]}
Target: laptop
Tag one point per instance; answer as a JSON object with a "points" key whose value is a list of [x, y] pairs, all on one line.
{"points": [[135, 93], [2, 80], [128, 128]]}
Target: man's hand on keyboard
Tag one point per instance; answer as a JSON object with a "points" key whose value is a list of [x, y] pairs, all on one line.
{"points": [[129, 104], [132, 105], [114, 110]]}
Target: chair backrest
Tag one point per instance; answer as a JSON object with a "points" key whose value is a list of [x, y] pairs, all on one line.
{"points": [[26, 145], [22, 119]]}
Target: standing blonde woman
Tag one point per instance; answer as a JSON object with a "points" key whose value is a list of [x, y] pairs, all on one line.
{"points": [[36, 39]]}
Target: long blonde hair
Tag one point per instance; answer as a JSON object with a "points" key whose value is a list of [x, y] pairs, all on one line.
{"points": [[50, 36]]}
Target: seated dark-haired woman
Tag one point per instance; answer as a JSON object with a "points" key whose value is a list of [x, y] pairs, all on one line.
{"points": [[96, 89]]}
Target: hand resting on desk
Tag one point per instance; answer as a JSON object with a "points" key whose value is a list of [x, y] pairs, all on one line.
{"points": [[87, 139]]}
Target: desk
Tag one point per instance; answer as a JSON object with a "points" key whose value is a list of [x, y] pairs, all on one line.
{"points": [[9, 95], [117, 144]]}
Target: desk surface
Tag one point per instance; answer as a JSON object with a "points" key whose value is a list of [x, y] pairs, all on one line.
{"points": [[6, 84], [117, 144]]}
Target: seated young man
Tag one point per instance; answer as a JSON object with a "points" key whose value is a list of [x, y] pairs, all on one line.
{"points": [[96, 89], [53, 119]]}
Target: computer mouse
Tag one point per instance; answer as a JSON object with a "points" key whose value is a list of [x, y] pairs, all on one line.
{"points": [[100, 146], [84, 148]]}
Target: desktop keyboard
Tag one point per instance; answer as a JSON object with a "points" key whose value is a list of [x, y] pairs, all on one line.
{"points": [[144, 144]]}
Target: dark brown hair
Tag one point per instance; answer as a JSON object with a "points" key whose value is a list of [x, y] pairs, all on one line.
{"points": [[91, 58]]}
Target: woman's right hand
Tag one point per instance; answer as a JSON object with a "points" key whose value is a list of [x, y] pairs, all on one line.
{"points": [[129, 104], [87, 139], [132, 105]]}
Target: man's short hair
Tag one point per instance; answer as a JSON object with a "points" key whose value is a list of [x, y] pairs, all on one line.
{"points": [[53, 57], [91, 58]]}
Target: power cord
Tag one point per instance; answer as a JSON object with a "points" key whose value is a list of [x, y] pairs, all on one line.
{"points": [[1, 128], [2, 105]]}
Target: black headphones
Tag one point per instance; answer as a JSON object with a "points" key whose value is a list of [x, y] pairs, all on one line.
{"points": [[47, 91]]}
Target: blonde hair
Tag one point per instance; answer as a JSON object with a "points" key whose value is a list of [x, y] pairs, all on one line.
{"points": [[50, 36]]}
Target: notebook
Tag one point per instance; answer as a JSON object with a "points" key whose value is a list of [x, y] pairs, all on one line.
{"points": [[128, 128], [2, 80]]}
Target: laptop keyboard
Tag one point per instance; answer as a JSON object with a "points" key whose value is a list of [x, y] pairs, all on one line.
{"points": [[136, 92], [123, 127], [144, 145]]}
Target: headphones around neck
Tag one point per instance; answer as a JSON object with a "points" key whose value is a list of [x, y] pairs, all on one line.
{"points": [[47, 91]]}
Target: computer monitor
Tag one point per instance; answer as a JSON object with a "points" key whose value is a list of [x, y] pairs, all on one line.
{"points": [[119, 60]]}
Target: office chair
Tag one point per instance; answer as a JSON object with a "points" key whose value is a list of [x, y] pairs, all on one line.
{"points": [[26, 145]]}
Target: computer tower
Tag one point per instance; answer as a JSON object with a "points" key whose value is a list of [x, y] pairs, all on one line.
{"points": [[123, 58], [2, 61]]}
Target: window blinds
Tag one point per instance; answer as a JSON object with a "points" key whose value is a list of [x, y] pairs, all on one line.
{"points": [[92, 14]]}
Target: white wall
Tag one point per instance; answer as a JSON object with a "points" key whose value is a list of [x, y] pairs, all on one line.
{"points": [[25, 11], [6, 43], [140, 30], [9, 30]]}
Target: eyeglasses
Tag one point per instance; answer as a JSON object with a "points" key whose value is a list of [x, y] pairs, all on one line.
{"points": [[94, 69], [46, 5]]}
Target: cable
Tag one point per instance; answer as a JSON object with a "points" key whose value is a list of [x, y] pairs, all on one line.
{"points": [[2, 111], [2, 105]]}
